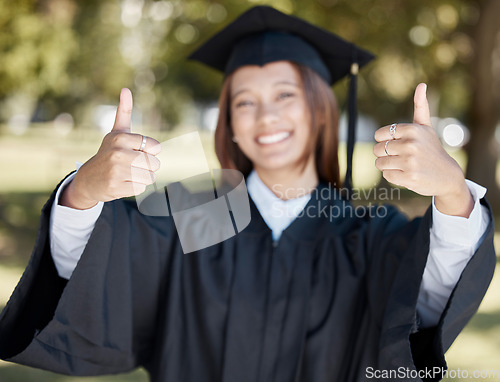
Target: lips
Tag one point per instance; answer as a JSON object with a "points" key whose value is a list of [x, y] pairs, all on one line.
{"points": [[273, 138]]}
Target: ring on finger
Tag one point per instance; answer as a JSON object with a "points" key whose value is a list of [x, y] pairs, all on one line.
{"points": [[143, 144], [385, 148], [392, 130]]}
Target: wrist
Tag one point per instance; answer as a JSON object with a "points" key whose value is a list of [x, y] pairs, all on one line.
{"points": [[458, 202], [72, 197]]}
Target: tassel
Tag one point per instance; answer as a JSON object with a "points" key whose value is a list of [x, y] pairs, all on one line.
{"points": [[351, 135]]}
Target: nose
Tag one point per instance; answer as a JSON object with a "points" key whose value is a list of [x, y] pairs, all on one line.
{"points": [[267, 114]]}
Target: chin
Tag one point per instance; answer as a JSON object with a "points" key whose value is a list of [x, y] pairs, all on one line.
{"points": [[280, 164]]}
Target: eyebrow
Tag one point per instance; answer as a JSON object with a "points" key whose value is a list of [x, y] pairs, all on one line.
{"points": [[286, 82]]}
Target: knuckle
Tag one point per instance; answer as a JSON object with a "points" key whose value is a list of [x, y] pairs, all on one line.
{"points": [[412, 149], [413, 177], [116, 155], [411, 162], [119, 139], [410, 146]]}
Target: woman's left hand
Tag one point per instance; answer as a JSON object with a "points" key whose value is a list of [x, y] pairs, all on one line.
{"points": [[413, 157]]}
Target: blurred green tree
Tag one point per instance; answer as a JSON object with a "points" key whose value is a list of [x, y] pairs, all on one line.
{"points": [[36, 45], [70, 55]]}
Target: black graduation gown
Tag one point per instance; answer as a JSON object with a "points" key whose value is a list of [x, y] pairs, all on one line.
{"points": [[333, 298]]}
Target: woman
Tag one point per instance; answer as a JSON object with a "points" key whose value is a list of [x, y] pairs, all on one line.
{"points": [[295, 297]]}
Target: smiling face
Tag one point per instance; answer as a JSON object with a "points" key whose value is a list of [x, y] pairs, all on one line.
{"points": [[270, 118], [285, 119]]}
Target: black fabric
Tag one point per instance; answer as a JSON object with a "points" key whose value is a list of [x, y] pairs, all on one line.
{"points": [[333, 297], [247, 41], [262, 48], [37, 307]]}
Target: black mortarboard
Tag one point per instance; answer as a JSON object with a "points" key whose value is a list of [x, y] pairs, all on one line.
{"points": [[263, 34]]}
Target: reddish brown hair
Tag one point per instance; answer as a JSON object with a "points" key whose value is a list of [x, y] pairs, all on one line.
{"points": [[323, 141]]}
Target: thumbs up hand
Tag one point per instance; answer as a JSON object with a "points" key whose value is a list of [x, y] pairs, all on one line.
{"points": [[412, 156], [122, 167]]}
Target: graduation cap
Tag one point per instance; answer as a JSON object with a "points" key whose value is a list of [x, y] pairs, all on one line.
{"points": [[264, 34]]}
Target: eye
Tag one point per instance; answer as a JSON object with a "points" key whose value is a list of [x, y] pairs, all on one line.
{"points": [[285, 95], [243, 104]]}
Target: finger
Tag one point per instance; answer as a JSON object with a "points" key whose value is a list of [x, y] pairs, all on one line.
{"points": [[138, 188], [141, 176], [421, 114], [124, 111], [145, 161], [389, 163], [133, 141], [131, 189], [394, 176], [152, 146], [384, 133], [394, 147]]}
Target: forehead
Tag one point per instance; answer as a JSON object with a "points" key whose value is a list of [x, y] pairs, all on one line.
{"points": [[268, 74]]}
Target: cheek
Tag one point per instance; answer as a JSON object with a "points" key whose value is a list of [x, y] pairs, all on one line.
{"points": [[242, 124], [300, 114]]}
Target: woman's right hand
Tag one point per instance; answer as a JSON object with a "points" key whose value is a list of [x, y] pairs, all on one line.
{"points": [[119, 168]]}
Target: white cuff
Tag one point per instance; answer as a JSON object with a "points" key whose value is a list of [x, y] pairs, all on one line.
{"points": [[70, 230], [67, 216], [457, 230]]}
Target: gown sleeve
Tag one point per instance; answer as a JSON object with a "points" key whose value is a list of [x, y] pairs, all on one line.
{"points": [[453, 241], [102, 320], [398, 254]]}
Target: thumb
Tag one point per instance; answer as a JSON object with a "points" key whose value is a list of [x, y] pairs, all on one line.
{"points": [[421, 113], [124, 111]]}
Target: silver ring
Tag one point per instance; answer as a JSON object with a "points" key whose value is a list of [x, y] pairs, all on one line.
{"points": [[143, 144], [392, 130], [385, 148]]}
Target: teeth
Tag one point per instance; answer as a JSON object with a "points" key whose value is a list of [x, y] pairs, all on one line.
{"points": [[268, 139]]}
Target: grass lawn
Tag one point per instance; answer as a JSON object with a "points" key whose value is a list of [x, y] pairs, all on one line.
{"points": [[31, 166]]}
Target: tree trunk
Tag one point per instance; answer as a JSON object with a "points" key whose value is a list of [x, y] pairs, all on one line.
{"points": [[482, 149]]}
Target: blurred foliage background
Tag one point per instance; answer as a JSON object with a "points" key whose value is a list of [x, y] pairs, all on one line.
{"points": [[63, 63], [63, 58]]}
